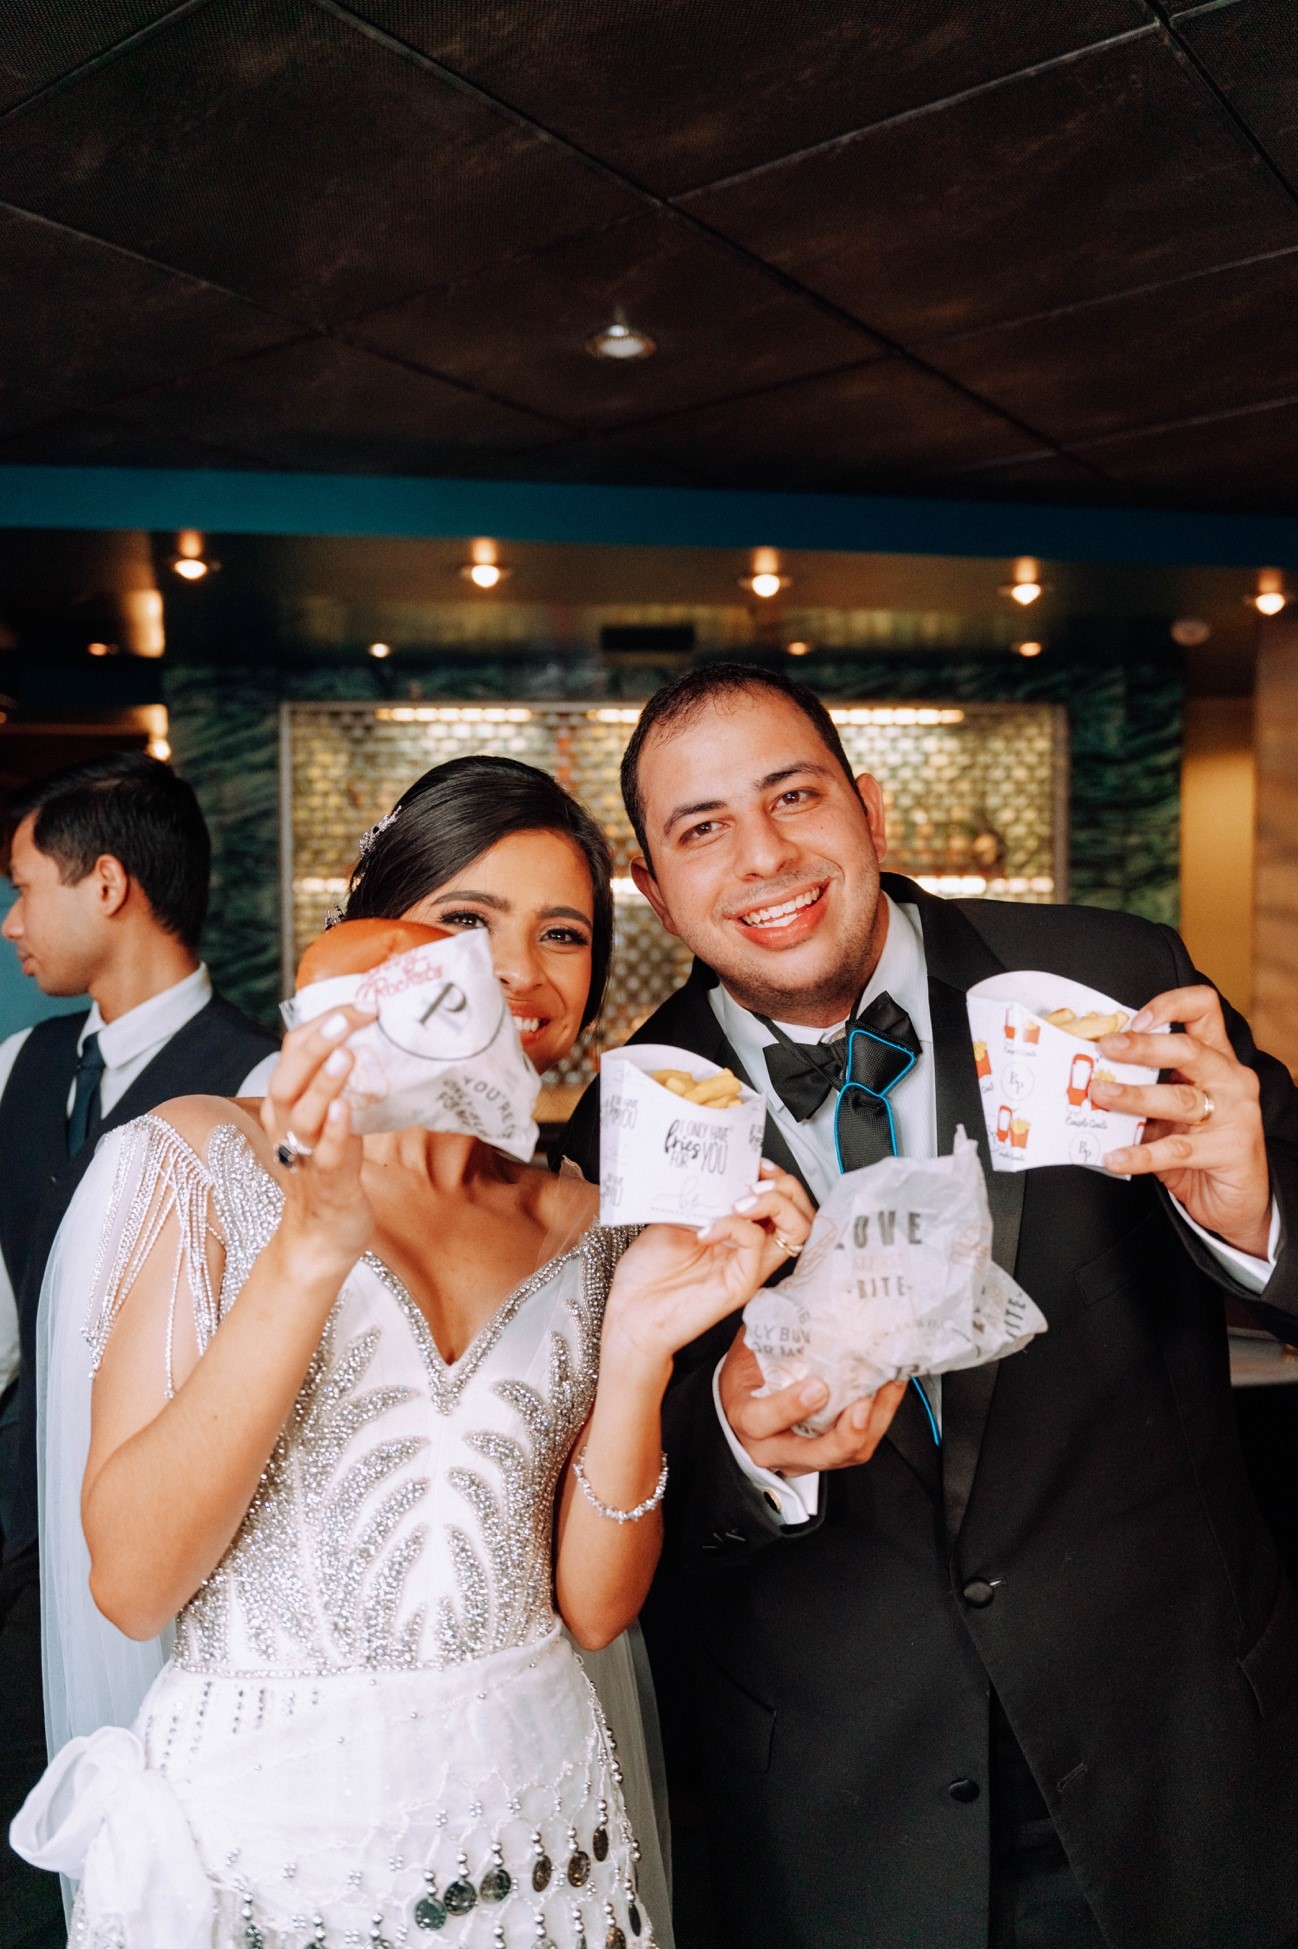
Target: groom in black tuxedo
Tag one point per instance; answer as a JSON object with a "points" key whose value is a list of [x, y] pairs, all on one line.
{"points": [[1007, 1658]]}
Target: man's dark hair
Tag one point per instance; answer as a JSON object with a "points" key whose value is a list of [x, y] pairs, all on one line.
{"points": [[138, 810], [454, 814], [686, 696]]}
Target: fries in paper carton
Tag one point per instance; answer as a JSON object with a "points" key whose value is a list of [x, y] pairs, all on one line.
{"points": [[680, 1138], [897, 1279], [444, 1053], [1035, 1040]]}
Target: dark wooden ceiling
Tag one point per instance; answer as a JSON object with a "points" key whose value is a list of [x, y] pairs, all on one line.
{"points": [[973, 247]]}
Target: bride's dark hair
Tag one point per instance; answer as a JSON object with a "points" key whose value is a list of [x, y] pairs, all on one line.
{"points": [[454, 814]]}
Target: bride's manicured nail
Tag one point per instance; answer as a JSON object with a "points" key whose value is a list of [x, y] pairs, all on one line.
{"points": [[336, 1112], [705, 1233], [745, 1204], [334, 1027], [339, 1063], [812, 1393], [1140, 1020]]}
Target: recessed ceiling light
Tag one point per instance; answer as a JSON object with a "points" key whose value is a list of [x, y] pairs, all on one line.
{"points": [[189, 561], [1028, 649], [799, 649], [621, 341], [1027, 584], [1271, 594], [380, 650]]}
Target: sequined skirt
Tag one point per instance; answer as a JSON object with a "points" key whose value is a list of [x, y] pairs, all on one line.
{"points": [[478, 1807]]}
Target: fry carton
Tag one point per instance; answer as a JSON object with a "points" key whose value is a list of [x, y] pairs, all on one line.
{"points": [[1036, 1054], [664, 1158], [444, 1053], [897, 1279]]}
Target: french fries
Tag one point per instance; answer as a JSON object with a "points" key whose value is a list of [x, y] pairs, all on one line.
{"points": [[1088, 1028], [719, 1092]]}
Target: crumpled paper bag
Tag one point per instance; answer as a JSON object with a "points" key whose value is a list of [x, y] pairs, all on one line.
{"points": [[897, 1279], [444, 1053]]}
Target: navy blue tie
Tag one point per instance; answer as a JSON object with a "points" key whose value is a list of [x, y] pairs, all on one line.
{"points": [[84, 1116]]}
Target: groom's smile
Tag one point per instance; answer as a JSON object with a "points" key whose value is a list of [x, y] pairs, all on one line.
{"points": [[763, 855]]}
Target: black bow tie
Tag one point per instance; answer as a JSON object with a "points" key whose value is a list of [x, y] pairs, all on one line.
{"points": [[877, 1048]]}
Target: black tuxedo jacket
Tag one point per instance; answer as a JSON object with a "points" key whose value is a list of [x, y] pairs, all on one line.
{"points": [[1086, 1544]]}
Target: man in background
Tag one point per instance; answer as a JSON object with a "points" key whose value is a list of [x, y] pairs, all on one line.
{"points": [[110, 862]]}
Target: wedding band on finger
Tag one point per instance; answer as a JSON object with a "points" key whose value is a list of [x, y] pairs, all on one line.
{"points": [[790, 1251], [1209, 1106], [291, 1151]]}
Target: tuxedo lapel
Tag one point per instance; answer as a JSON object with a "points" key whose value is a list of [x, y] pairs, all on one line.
{"points": [[957, 957]]}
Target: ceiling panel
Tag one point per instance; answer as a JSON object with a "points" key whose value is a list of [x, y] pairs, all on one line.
{"points": [[879, 425], [83, 321], [1250, 49], [1109, 171], [1243, 460], [520, 330], [287, 155], [95, 440], [677, 93], [40, 42], [1031, 477], [1156, 355], [322, 405]]}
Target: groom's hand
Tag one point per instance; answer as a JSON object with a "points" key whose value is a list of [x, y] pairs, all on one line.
{"points": [[765, 1426], [1204, 1139]]}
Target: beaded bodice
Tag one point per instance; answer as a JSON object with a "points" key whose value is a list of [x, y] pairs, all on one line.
{"points": [[406, 1516]]}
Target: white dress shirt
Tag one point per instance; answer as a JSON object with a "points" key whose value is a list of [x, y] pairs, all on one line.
{"points": [[128, 1045], [902, 972]]}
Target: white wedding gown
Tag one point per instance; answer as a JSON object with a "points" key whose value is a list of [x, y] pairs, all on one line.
{"points": [[372, 1732]]}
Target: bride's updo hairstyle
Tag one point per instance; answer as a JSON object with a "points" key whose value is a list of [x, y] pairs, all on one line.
{"points": [[454, 814]]}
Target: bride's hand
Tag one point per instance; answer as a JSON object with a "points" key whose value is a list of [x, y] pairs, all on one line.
{"points": [[675, 1281], [326, 1210]]}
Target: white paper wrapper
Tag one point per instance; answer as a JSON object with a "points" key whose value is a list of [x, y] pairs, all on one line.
{"points": [[665, 1161], [444, 1053], [896, 1279], [1035, 1079]]}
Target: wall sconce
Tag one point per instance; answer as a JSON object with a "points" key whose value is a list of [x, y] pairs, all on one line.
{"points": [[380, 650], [1028, 649]]}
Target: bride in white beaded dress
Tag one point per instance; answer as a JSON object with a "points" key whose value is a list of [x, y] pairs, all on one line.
{"points": [[346, 1430]]}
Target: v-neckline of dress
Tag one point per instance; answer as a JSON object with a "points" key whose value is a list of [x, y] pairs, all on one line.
{"points": [[448, 1379]]}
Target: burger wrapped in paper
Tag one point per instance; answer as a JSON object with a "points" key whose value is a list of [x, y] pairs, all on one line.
{"points": [[897, 1279], [680, 1137], [444, 1053]]}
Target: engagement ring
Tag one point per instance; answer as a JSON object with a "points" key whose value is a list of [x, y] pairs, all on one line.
{"points": [[291, 1151]]}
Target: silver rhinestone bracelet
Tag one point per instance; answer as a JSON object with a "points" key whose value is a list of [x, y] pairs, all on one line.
{"points": [[619, 1515]]}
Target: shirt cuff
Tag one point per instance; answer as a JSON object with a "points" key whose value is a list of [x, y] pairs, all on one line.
{"points": [[1251, 1273], [792, 1499]]}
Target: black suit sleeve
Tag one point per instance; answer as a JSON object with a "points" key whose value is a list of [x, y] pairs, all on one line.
{"points": [[716, 1518], [1276, 1307]]}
